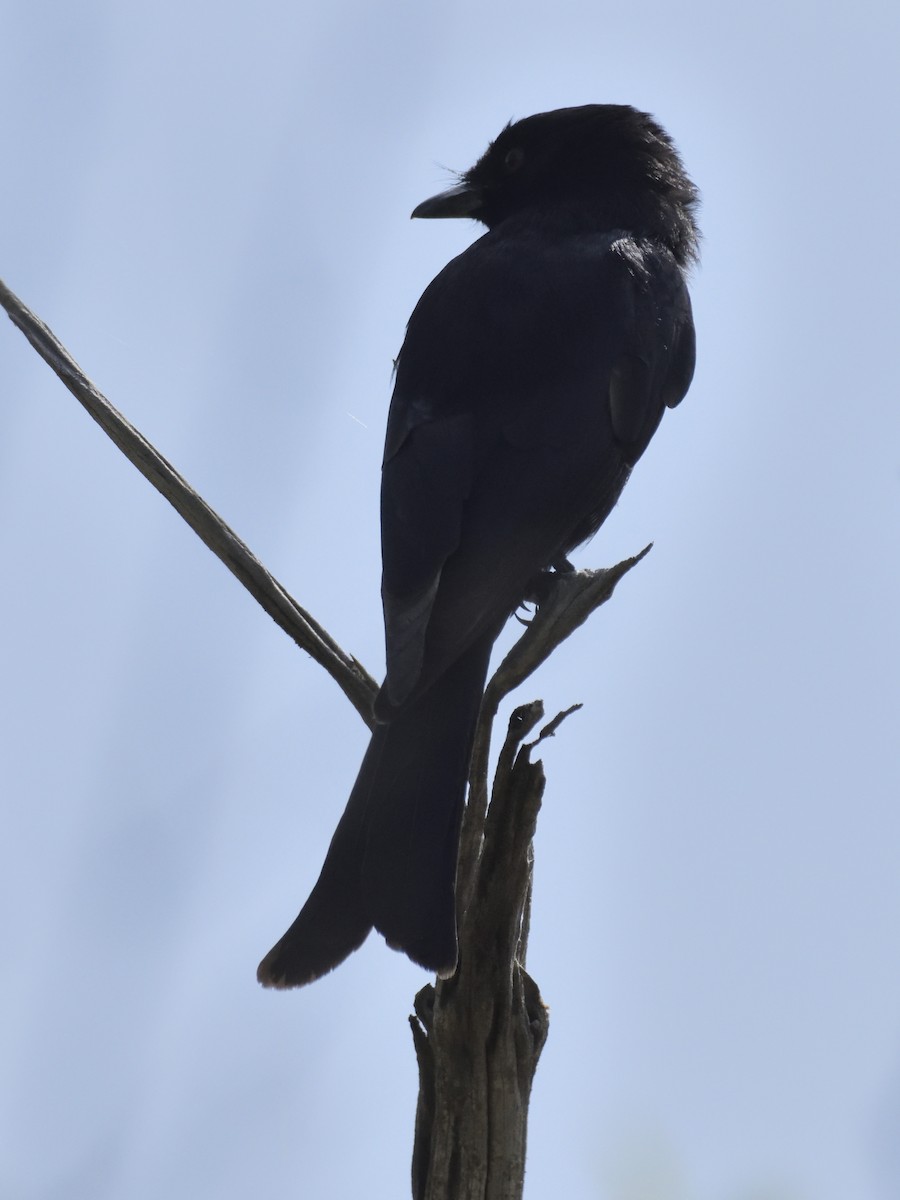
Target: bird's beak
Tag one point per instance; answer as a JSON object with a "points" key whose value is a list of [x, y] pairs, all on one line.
{"points": [[464, 200]]}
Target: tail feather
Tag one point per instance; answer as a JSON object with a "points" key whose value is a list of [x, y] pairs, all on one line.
{"points": [[392, 860]]}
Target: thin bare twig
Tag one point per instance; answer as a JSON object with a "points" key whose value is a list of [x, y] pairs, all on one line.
{"points": [[349, 674], [570, 598]]}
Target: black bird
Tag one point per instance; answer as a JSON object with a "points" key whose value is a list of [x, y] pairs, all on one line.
{"points": [[535, 369]]}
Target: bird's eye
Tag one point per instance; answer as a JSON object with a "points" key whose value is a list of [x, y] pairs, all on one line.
{"points": [[514, 159]]}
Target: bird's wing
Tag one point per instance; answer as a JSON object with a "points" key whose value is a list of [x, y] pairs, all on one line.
{"points": [[426, 485], [516, 418]]}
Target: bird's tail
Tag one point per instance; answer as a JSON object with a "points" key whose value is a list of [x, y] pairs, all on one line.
{"points": [[392, 861]]}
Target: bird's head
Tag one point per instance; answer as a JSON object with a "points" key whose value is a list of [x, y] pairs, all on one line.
{"points": [[595, 167]]}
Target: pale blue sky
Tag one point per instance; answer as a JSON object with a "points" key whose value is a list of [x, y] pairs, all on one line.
{"points": [[209, 205]]}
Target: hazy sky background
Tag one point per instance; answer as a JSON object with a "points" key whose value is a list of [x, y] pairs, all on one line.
{"points": [[209, 205]]}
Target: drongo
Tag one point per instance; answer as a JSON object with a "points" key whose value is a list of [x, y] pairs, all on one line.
{"points": [[535, 369]]}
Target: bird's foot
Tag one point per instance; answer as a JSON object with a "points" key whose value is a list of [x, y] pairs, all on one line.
{"points": [[541, 586]]}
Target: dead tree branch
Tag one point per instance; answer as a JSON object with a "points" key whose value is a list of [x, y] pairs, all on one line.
{"points": [[478, 1036]]}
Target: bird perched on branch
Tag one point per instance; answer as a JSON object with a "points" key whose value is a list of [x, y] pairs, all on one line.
{"points": [[535, 369]]}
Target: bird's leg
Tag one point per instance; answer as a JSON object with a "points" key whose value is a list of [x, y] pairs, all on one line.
{"points": [[541, 585]]}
